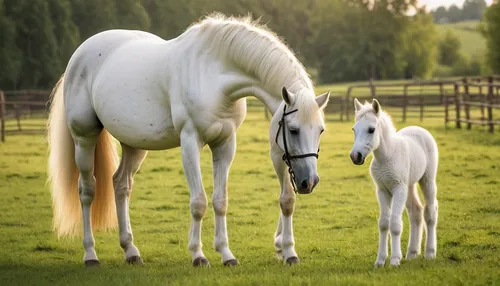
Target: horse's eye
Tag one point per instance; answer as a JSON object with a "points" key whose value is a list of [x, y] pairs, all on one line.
{"points": [[321, 132], [294, 131], [371, 130]]}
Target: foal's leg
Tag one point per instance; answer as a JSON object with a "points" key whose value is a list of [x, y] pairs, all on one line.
{"points": [[84, 158], [429, 188], [416, 217], [384, 200], [191, 147], [399, 197], [222, 157], [123, 179]]}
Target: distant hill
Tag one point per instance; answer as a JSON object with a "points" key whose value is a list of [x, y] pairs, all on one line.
{"points": [[472, 41]]}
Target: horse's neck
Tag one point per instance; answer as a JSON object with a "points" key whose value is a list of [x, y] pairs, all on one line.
{"points": [[388, 142], [239, 85]]}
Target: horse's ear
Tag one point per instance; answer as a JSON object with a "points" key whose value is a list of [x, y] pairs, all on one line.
{"points": [[287, 97], [322, 100], [376, 106], [357, 105]]}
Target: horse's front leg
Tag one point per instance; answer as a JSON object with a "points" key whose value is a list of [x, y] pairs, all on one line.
{"points": [[191, 146], [284, 241], [399, 196], [222, 158]]}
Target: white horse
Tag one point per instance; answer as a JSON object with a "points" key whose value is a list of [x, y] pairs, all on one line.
{"points": [[401, 159], [152, 94]]}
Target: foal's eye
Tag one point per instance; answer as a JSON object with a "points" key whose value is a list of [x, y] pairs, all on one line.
{"points": [[321, 132], [294, 131], [371, 130]]}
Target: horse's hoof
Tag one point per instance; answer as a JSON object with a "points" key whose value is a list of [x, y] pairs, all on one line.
{"points": [[292, 260], [231, 262], [136, 260], [411, 255], [92, 262], [395, 262], [201, 261]]}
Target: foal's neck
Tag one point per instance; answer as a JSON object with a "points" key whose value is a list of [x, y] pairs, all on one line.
{"points": [[387, 142]]}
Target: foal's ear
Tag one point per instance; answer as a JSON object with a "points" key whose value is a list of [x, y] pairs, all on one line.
{"points": [[357, 105], [287, 97], [322, 100], [376, 106]]}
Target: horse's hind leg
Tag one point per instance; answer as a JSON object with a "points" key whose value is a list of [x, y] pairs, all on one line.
{"points": [[429, 189], [84, 158], [123, 180], [415, 215]]}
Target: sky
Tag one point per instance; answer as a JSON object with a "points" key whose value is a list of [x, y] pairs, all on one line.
{"points": [[433, 4]]}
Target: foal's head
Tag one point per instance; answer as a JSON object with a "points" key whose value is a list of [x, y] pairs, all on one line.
{"points": [[300, 123], [366, 130]]}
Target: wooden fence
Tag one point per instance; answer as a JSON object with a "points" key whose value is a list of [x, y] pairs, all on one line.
{"points": [[486, 102], [19, 111]]}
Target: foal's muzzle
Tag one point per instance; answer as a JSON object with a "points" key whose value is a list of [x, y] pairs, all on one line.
{"points": [[307, 185], [357, 158]]}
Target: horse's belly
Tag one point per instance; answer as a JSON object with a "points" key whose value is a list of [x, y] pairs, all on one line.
{"points": [[140, 124]]}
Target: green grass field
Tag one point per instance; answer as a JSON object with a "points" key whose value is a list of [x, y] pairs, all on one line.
{"points": [[335, 227], [473, 43]]}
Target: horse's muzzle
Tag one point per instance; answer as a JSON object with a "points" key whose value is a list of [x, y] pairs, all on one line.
{"points": [[307, 185], [357, 158]]}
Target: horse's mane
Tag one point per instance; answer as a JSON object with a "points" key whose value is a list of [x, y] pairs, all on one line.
{"points": [[384, 117], [260, 52]]}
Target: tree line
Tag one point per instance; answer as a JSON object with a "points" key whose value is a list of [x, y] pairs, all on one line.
{"points": [[338, 40], [471, 10]]}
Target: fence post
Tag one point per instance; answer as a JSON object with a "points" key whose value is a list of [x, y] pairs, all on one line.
{"points": [[490, 103], [342, 106], [466, 105], [421, 108], [372, 88], [457, 106], [441, 93], [481, 99], [405, 95], [446, 112], [2, 116], [347, 103]]}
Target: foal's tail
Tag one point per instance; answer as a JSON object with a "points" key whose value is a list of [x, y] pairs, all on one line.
{"points": [[63, 174]]}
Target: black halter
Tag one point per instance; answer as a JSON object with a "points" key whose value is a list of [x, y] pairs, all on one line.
{"points": [[287, 157]]}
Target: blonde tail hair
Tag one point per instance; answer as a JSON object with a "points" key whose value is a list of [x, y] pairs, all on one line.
{"points": [[63, 174]]}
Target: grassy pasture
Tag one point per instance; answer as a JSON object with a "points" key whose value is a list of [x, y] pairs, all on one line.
{"points": [[335, 227]]}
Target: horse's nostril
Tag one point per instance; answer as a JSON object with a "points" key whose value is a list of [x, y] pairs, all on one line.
{"points": [[304, 184], [360, 157]]}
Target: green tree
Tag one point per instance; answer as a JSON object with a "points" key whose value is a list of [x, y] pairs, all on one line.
{"points": [[36, 39], [420, 46], [491, 30], [10, 54], [93, 16], [132, 15], [449, 49], [65, 31]]}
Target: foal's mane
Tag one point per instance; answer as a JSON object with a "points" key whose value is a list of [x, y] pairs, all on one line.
{"points": [[259, 52], [384, 117]]}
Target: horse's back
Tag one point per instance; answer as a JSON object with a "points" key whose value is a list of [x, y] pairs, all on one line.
{"points": [[421, 146]]}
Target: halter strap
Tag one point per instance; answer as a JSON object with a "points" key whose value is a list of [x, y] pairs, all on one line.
{"points": [[287, 156]]}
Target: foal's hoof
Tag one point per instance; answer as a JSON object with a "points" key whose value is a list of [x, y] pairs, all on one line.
{"points": [[92, 262], [231, 262], [136, 260], [292, 260], [200, 261]]}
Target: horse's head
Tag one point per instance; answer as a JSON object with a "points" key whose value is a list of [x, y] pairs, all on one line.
{"points": [[366, 130], [295, 130]]}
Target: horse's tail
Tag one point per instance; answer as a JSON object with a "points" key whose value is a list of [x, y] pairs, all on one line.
{"points": [[63, 174]]}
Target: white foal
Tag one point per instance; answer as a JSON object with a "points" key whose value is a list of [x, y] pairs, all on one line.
{"points": [[401, 159]]}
